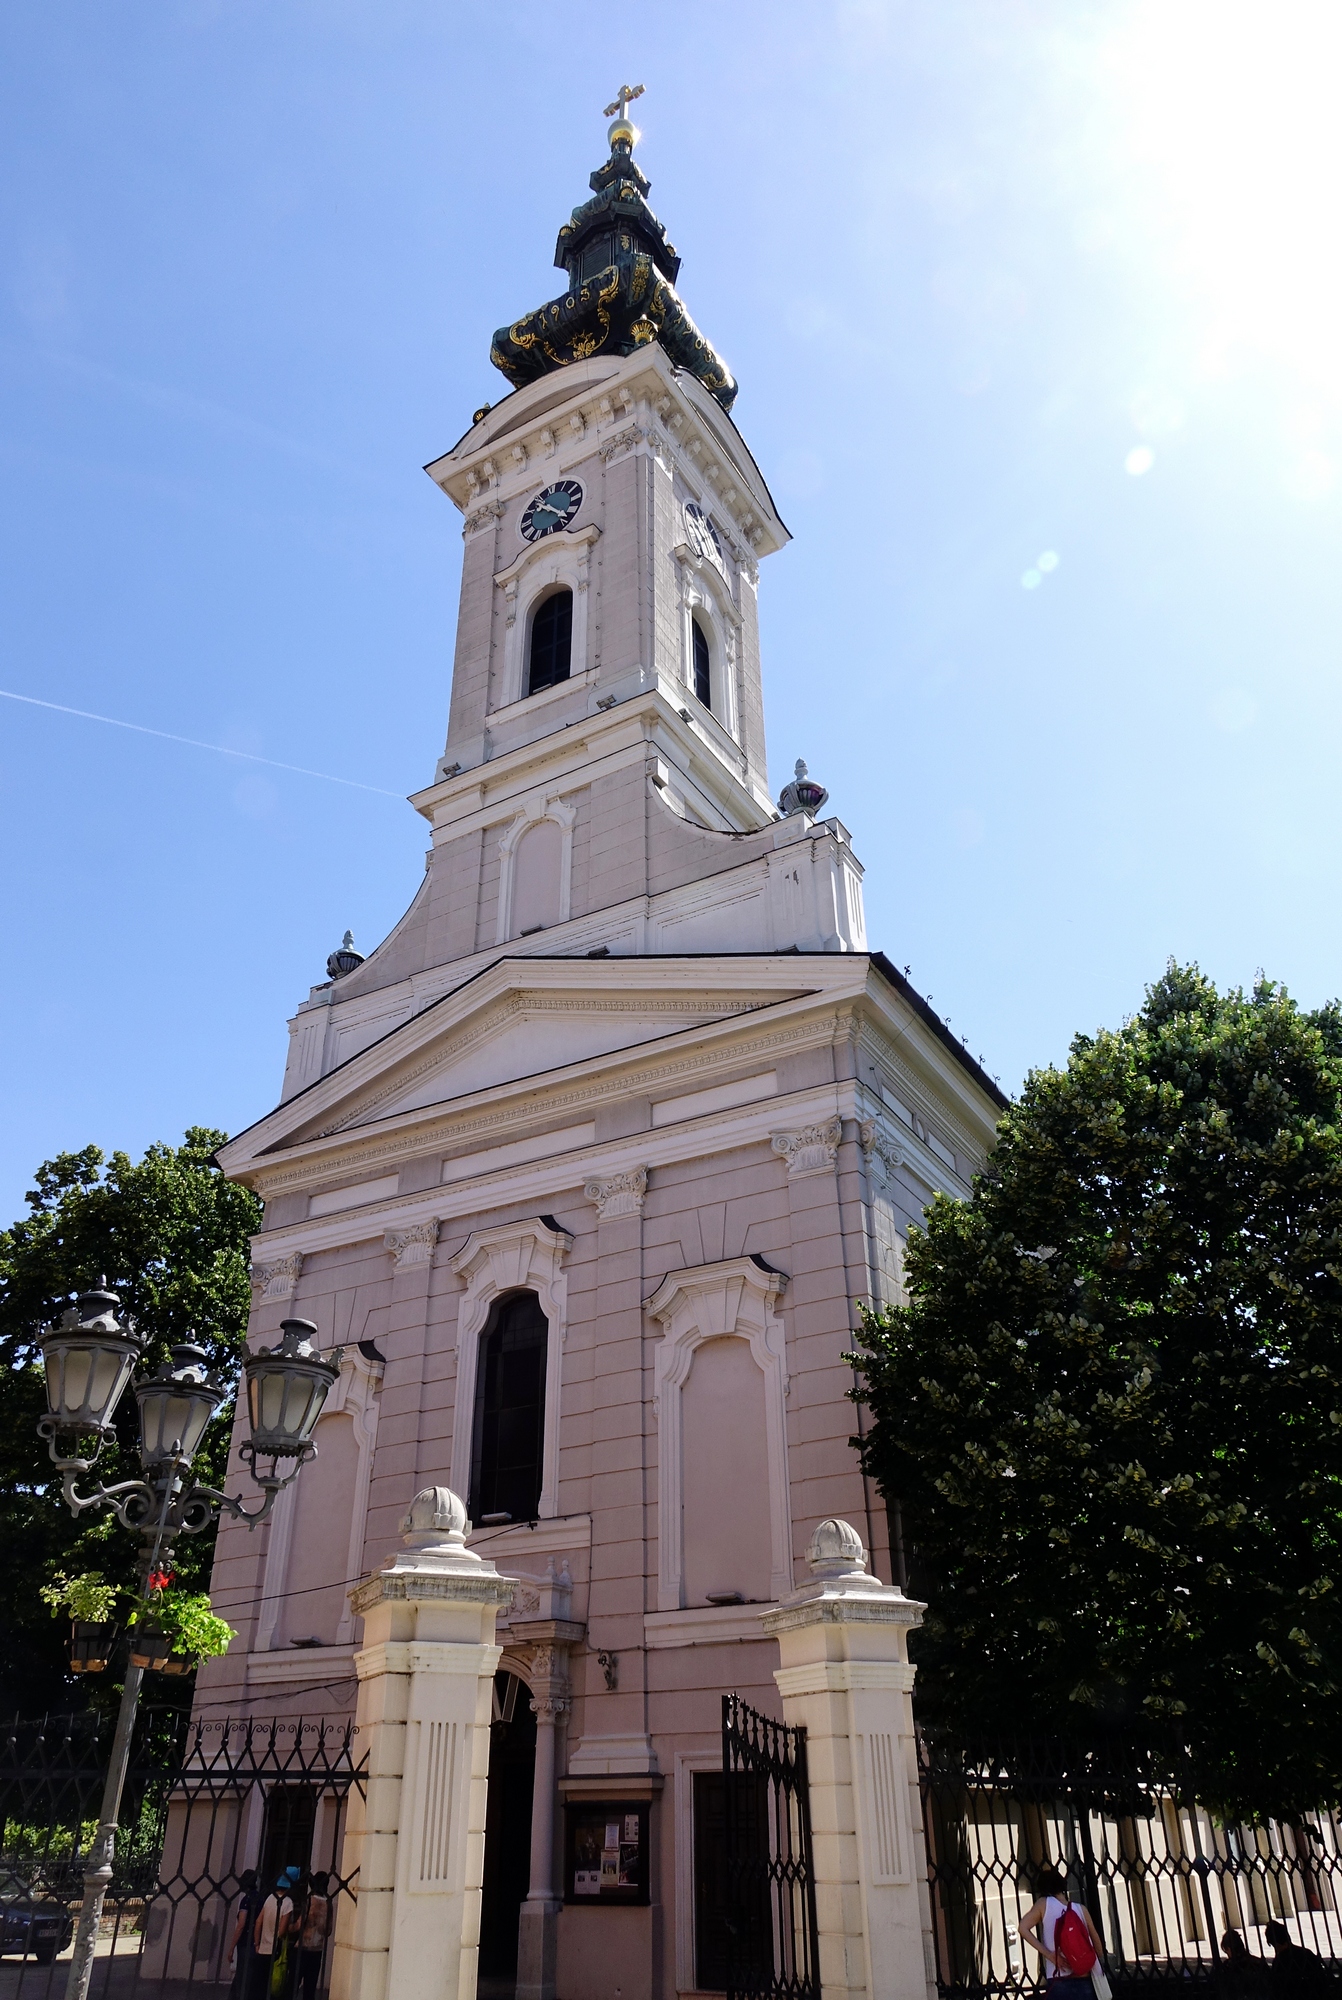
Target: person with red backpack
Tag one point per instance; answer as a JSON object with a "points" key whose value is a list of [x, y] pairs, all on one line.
{"points": [[1063, 1934]]}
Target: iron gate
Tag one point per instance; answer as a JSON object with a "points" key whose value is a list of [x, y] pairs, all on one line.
{"points": [[203, 1802], [772, 1942], [1163, 1879]]}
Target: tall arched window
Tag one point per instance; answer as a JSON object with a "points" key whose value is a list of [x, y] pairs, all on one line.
{"points": [[551, 642], [703, 679], [508, 1442]]}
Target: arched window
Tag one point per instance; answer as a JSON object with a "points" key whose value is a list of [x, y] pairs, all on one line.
{"points": [[703, 680], [551, 642], [508, 1441]]}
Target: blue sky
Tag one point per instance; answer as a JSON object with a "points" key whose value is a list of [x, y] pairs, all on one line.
{"points": [[999, 281]]}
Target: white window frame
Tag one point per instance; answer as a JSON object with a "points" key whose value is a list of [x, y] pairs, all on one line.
{"points": [[735, 1298], [703, 590], [514, 1257], [560, 560]]}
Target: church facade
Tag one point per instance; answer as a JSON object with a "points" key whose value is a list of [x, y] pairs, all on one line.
{"points": [[586, 1166]]}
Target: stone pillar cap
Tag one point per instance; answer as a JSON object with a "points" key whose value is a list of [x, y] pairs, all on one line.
{"points": [[437, 1517], [835, 1549]]}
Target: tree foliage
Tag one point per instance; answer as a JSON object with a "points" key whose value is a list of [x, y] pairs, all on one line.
{"points": [[1112, 1410], [171, 1236]]}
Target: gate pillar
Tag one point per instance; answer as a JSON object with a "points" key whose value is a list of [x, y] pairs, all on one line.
{"points": [[845, 1675], [426, 1674]]}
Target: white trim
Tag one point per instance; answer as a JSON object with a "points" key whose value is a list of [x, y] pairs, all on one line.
{"points": [[560, 560], [561, 1535], [687, 1762], [301, 1663], [534, 811], [702, 589], [736, 1297], [516, 1256], [717, 1625], [354, 1394]]}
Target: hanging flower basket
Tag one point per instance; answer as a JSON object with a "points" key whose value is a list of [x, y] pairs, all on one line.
{"points": [[149, 1648], [175, 1664], [91, 1645]]}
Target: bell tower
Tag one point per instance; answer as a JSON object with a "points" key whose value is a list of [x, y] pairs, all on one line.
{"points": [[603, 789]]}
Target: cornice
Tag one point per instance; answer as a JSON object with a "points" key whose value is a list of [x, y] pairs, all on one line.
{"points": [[627, 1075], [529, 1001]]}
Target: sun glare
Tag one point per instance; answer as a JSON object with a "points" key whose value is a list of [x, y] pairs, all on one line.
{"points": [[1233, 122]]}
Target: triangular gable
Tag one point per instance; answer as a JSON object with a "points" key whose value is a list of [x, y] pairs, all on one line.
{"points": [[520, 1019]]}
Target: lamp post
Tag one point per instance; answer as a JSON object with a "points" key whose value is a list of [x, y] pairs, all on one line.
{"points": [[89, 1356]]}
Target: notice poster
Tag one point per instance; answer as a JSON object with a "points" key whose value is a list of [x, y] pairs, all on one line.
{"points": [[607, 1858]]}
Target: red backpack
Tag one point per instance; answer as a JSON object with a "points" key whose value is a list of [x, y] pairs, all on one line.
{"points": [[1071, 1944]]}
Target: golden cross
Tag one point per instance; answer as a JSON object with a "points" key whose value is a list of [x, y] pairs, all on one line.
{"points": [[624, 97]]}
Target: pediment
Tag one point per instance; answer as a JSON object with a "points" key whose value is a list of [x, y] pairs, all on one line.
{"points": [[523, 1020]]}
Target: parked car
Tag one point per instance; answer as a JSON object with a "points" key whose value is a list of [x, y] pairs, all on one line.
{"points": [[32, 1925]]}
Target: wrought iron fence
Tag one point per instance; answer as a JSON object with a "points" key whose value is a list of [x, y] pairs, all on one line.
{"points": [[770, 1915], [1163, 1879], [204, 1801]]}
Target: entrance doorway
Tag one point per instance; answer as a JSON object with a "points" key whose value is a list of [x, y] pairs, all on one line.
{"points": [[512, 1772]]}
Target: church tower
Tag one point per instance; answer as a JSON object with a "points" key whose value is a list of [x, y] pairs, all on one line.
{"points": [[586, 1164]]}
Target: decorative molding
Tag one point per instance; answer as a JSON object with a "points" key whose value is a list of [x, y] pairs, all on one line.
{"points": [[493, 510], [514, 1257], [528, 1001], [279, 1279], [536, 810], [414, 1245], [620, 1194], [562, 558], [883, 1155], [737, 1297], [456, 1132], [812, 1150]]}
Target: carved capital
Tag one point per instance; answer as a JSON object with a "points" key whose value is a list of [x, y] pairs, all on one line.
{"points": [[412, 1246], [550, 1707], [481, 517], [621, 1194], [812, 1150], [881, 1152], [622, 441], [277, 1280]]}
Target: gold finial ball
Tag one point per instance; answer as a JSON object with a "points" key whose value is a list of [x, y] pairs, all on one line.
{"points": [[623, 132]]}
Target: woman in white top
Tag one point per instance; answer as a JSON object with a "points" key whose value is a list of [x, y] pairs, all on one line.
{"points": [[1039, 1929]]}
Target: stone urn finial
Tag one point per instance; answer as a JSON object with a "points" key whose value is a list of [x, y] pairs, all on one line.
{"points": [[437, 1520], [836, 1549]]}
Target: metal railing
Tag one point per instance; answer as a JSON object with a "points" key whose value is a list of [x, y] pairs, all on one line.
{"points": [[773, 1947], [1163, 1878], [204, 1801]]}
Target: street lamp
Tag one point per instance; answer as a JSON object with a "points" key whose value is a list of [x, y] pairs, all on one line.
{"points": [[88, 1356]]}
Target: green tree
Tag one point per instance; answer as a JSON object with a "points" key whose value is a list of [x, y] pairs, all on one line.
{"points": [[1112, 1410], [171, 1236]]}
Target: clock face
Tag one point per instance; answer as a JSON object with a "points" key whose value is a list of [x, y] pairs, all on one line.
{"points": [[554, 508], [703, 535]]}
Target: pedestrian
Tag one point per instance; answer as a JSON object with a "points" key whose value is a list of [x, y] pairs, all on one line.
{"points": [[1296, 1972], [241, 1944], [272, 1925], [1051, 1925], [314, 1927], [1241, 1975]]}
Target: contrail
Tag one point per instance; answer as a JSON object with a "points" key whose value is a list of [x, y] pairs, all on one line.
{"points": [[250, 756]]}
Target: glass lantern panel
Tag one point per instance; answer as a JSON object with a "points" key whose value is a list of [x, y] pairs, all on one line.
{"points": [[200, 1410], [110, 1370], [272, 1386], [73, 1369]]}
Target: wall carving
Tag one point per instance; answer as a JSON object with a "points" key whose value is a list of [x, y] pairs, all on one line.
{"points": [[412, 1246], [812, 1150], [278, 1280], [736, 1297], [620, 1194], [514, 1257]]}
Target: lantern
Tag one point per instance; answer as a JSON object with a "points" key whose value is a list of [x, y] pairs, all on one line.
{"points": [[176, 1403], [88, 1356], [286, 1388]]}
